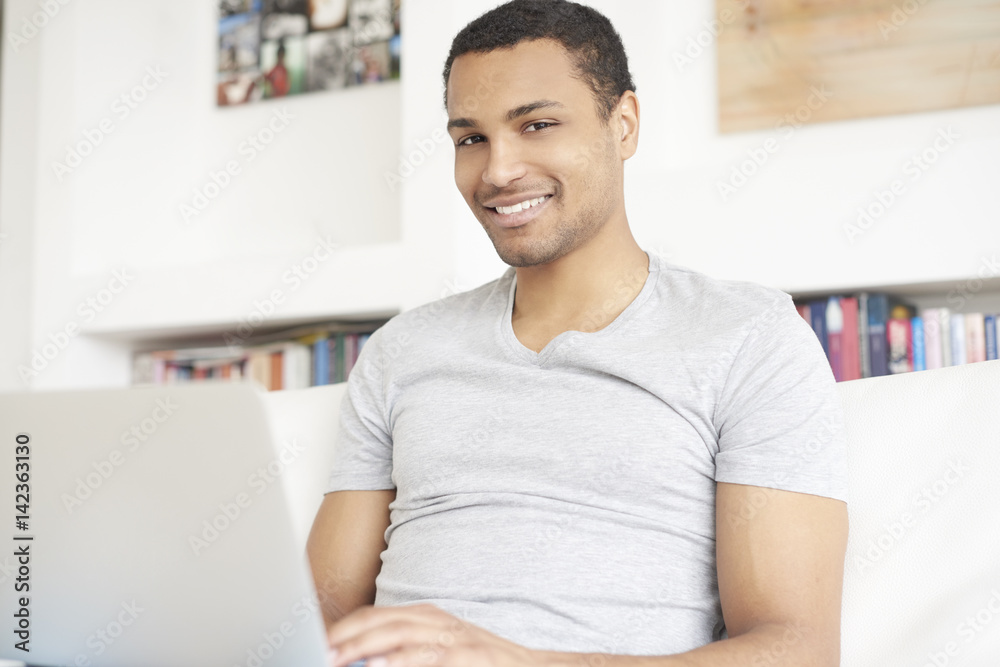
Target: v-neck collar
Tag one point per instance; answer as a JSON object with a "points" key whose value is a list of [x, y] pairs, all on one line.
{"points": [[539, 358]]}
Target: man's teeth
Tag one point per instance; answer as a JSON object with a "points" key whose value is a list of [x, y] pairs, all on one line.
{"points": [[523, 206]]}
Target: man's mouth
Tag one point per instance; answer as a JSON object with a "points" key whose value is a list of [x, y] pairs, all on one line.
{"points": [[521, 206]]}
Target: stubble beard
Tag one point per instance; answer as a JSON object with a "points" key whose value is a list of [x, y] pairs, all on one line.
{"points": [[525, 248], [516, 251]]}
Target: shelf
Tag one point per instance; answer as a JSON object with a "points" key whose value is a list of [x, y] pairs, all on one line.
{"points": [[210, 334], [971, 286]]}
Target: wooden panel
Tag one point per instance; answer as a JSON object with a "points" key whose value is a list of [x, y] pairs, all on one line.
{"points": [[837, 59]]}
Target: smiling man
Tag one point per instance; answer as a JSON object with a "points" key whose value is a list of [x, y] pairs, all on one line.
{"points": [[599, 458]]}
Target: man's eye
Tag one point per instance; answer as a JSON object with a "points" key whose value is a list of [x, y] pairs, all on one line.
{"points": [[538, 126], [468, 141]]}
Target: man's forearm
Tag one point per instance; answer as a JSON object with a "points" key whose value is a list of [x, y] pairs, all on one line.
{"points": [[787, 645]]}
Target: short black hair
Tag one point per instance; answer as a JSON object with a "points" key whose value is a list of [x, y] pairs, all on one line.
{"points": [[593, 44]]}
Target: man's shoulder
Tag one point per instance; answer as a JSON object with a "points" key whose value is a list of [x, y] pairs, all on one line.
{"points": [[703, 295], [459, 309]]}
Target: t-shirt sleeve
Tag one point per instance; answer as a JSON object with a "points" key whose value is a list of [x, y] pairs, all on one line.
{"points": [[362, 458], [779, 417]]}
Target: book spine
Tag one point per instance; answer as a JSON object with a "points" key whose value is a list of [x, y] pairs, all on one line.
{"points": [[277, 363], [958, 353], [864, 339], [835, 337], [350, 353], [321, 362], [878, 311], [340, 374], [975, 338], [817, 311], [900, 339], [945, 319], [990, 333], [919, 344], [933, 351], [289, 378], [852, 353]]}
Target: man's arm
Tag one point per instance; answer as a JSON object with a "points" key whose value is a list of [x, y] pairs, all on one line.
{"points": [[344, 547]]}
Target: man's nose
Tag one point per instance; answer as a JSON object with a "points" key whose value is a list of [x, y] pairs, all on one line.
{"points": [[504, 165]]}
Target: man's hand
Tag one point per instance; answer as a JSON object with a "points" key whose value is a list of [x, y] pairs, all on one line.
{"points": [[419, 635]]}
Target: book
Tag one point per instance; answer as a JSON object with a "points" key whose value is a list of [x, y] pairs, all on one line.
{"points": [[337, 359], [350, 353], [933, 349], [277, 371], [321, 361], [878, 316], [975, 338], [864, 340], [900, 342], [295, 367], [990, 333], [958, 339], [851, 340], [803, 309], [919, 344], [835, 337], [817, 313]]}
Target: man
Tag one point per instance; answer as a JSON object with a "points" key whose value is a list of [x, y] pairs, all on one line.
{"points": [[598, 456]]}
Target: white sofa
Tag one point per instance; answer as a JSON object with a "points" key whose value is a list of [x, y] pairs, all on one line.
{"points": [[922, 577]]}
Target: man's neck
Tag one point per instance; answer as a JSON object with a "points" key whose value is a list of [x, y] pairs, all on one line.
{"points": [[584, 291]]}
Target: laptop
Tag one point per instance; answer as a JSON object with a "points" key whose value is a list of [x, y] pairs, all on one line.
{"points": [[148, 527]]}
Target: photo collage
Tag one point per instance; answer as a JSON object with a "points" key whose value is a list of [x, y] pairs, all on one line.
{"points": [[276, 48]]}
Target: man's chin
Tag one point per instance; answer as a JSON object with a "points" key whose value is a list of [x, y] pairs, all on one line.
{"points": [[524, 257]]}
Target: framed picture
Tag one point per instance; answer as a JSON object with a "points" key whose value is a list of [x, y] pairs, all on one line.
{"points": [[277, 48]]}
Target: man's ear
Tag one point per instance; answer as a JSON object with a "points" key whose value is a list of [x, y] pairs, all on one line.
{"points": [[627, 115]]}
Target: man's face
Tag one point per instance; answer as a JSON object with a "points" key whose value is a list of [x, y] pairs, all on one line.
{"points": [[527, 129]]}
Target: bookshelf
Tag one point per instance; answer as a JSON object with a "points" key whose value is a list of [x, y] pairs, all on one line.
{"points": [[905, 328], [303, 356]]}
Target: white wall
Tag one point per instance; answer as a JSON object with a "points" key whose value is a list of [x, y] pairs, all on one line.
{"points": [[325, 175]]}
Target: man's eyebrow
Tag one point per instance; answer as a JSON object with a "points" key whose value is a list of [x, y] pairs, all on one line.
{"points": [[512, 115], [532, 107]]}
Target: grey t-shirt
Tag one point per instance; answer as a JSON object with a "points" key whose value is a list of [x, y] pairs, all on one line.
{"points": [[565, 500]]}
